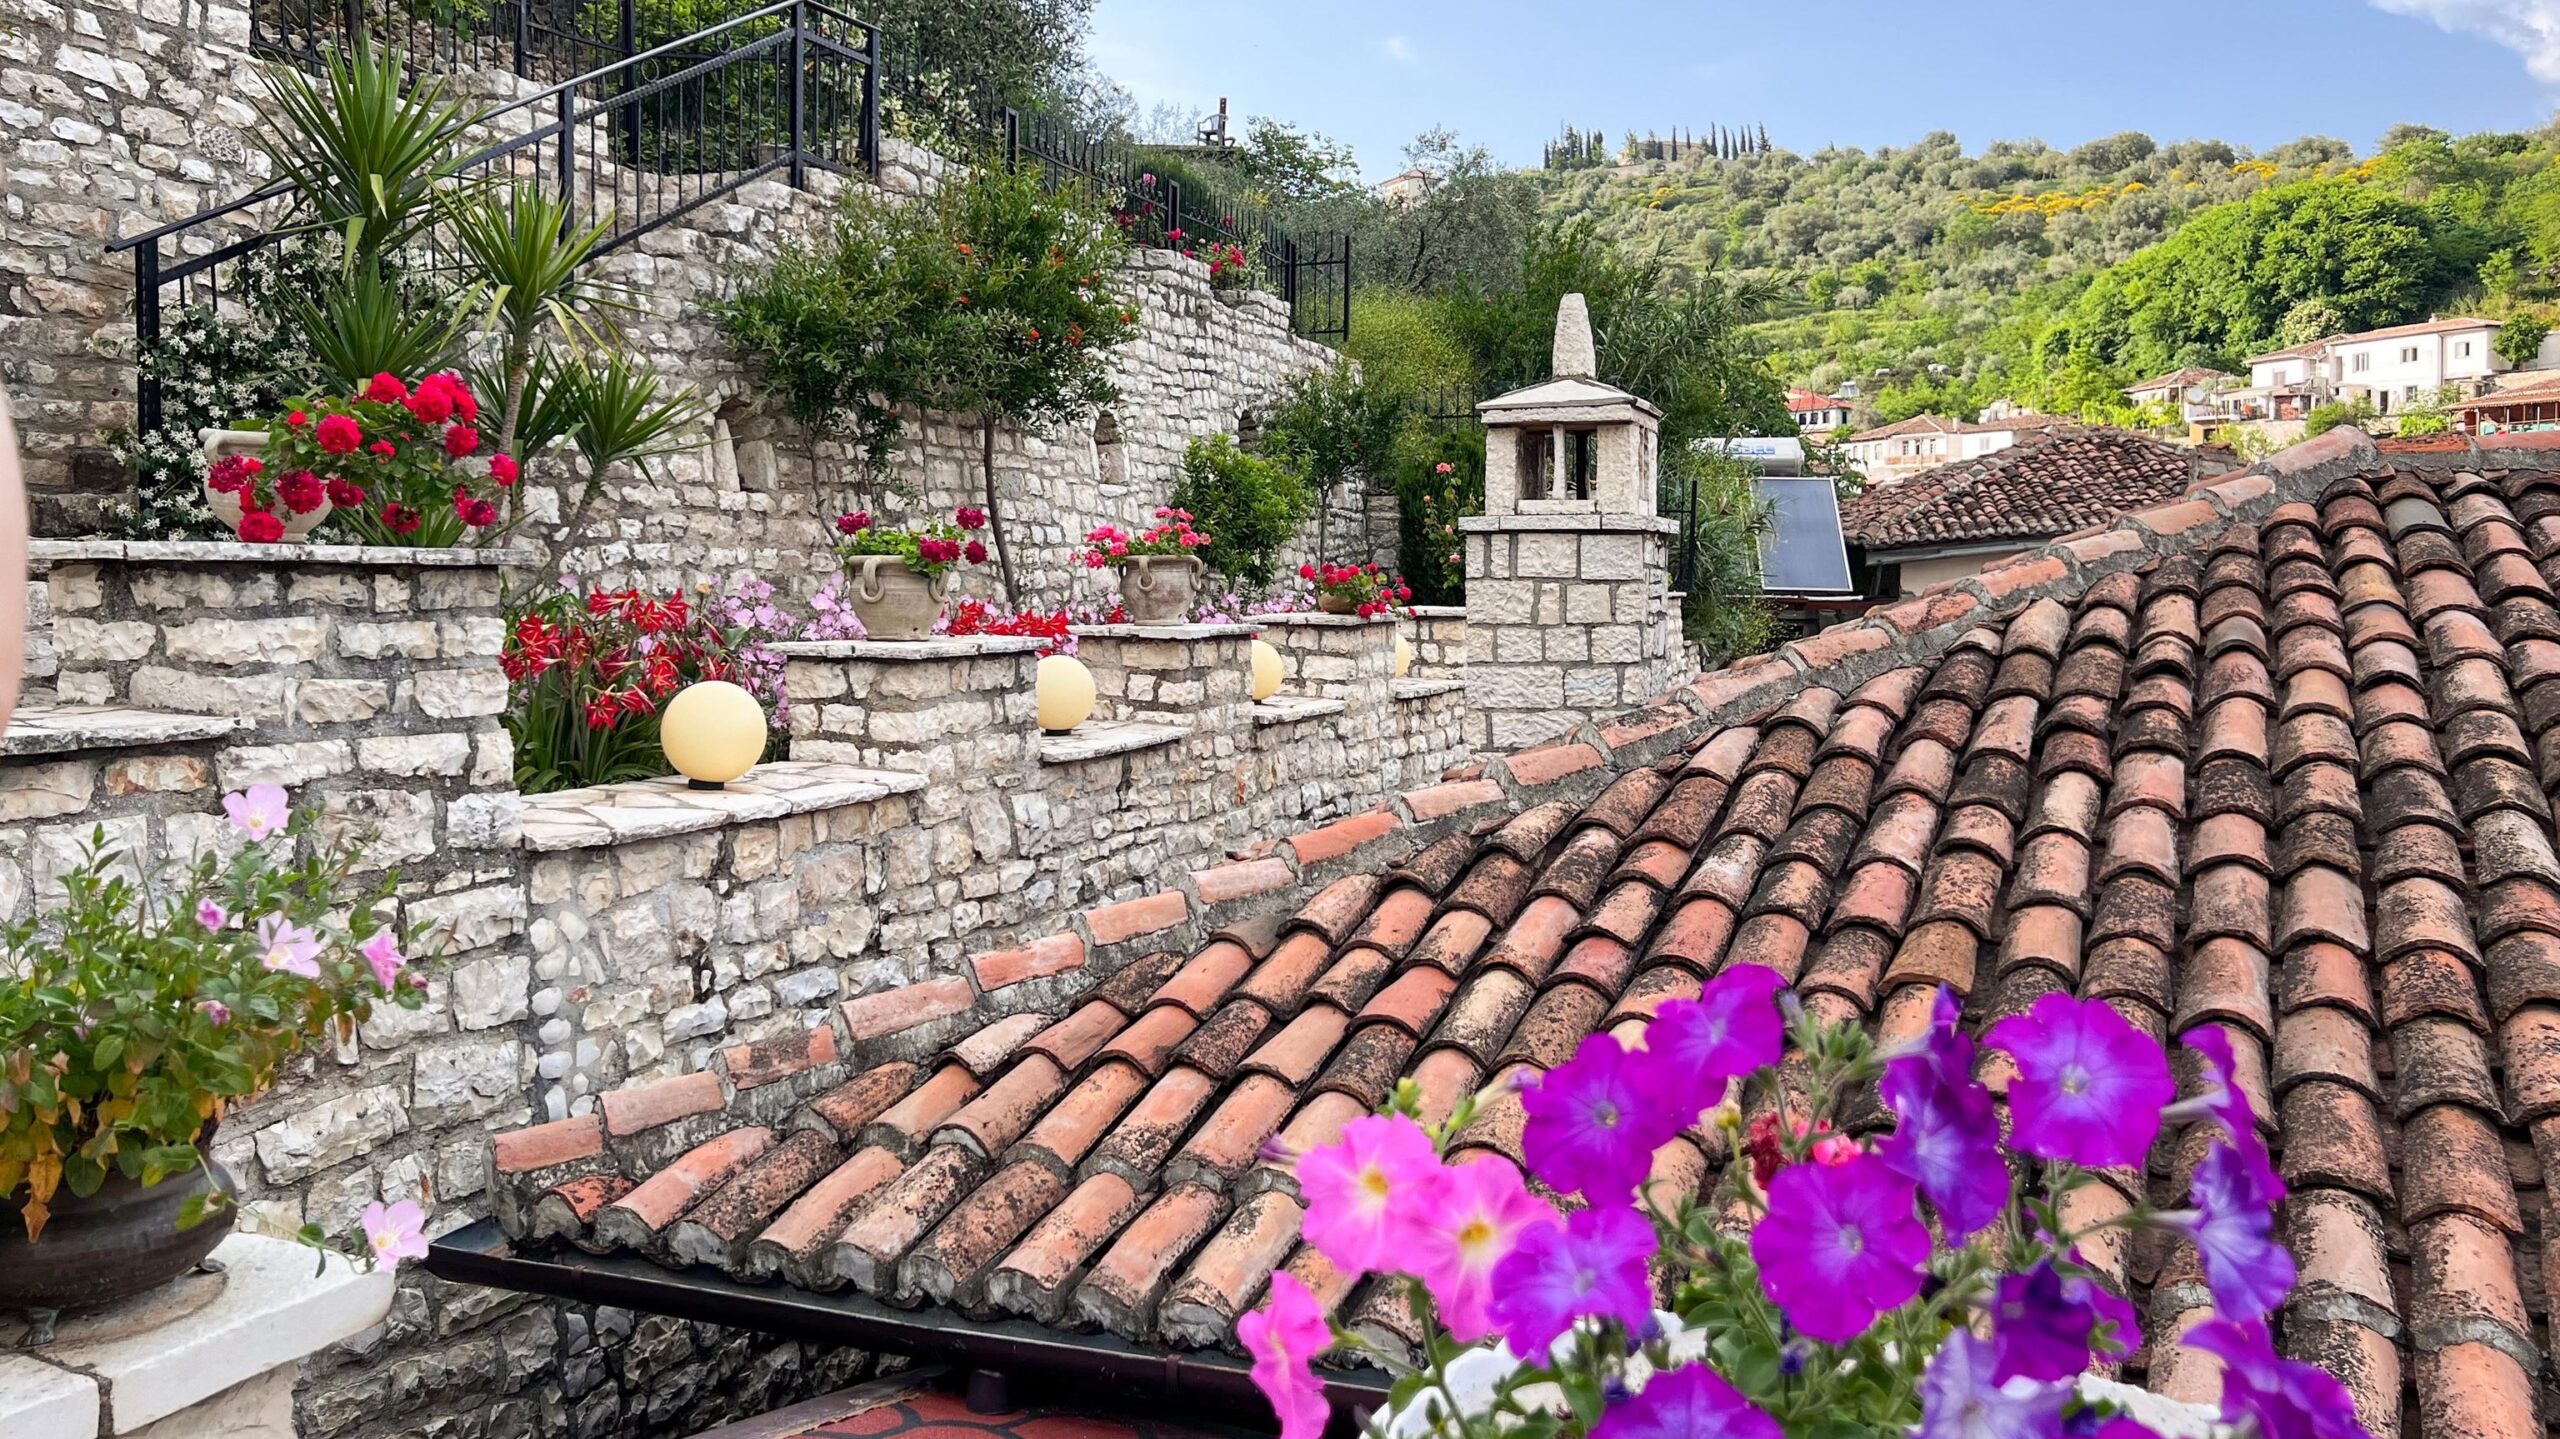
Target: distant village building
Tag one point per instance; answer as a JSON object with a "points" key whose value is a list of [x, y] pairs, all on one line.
{"points": [[2192, 394], [2388, 368], [1816, 413], [1959, 519], [1408, 187], [1922, 442]]}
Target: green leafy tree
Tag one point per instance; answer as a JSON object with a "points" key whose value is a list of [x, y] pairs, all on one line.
{"points": [[1283, 163], [1248, 505], [2520, 339]]}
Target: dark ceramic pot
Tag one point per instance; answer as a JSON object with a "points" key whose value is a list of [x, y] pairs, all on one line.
{"points": [[121, 1241]]}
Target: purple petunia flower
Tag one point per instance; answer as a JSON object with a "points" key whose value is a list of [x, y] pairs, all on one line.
{"points": [[1960, 1400], [2277, 1398], [2223, 1105], [2233, 1227], [2046, 1323], [1840, 1244], [1595, 1120], [1947, 1139], [1687, 1402], [1593, 1264], [1730, 1029], [2090, 1086]]}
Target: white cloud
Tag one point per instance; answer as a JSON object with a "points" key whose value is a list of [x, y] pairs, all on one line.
{"points": [[1398, 49], [2531, 28]]}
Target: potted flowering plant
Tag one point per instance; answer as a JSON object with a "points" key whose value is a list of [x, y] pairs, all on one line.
{"points": [[587, 675], [1812, 1293], [897, 576], [402, 464], [264, 507], [1363, 590], [135, 1014], [1160, 567], [1227, 267]]}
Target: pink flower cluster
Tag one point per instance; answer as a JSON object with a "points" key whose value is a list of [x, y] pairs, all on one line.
{"points": [[1171, 534]]}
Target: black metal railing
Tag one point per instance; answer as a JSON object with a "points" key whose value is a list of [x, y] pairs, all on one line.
{"points": [[634, 143]]}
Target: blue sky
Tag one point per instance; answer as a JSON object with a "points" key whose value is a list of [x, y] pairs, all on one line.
{"points": [[1850, 72]]}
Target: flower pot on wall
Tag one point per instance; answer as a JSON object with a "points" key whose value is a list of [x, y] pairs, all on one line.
{"points": [[121, 1241], [892, 600], [1160, 589], [226, 506], [1327, 602]]}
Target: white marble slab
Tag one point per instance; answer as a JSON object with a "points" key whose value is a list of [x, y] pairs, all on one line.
{"points": [[1101, 739], [1289, 709], [202, 552], [38, 1401], [940, 647], [657, 808]]}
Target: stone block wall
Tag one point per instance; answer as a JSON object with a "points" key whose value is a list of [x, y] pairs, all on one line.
{"points": [[1568, 618], [120, 118], [1438, 634]]}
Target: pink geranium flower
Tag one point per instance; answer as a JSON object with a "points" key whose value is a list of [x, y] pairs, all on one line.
{"points": [[258, 811], [395, 1231], [288, 947], [382, 952], [1283, 1337], [1483, 1211], [1366, 1191]]}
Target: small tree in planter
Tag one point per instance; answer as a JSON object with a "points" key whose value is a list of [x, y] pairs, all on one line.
{"points": [[136, 1013], [990, 297]]}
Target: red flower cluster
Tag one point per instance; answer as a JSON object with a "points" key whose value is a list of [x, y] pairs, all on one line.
{"points": [[647, 615], [929, 546], [299, 491], [388, 447], [1371, 589], [970, 615], [1769, 1155]]}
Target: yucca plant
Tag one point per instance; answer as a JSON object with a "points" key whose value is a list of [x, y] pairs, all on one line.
{"points": [[624, 414], [371, 157], [364, 323], [532, 262]]}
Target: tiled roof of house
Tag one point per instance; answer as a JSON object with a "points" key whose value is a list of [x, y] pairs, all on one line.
{"points": [[2020, 423], [2045, 485], [2542, 389], [2452, 325], [2275, 755], [1916, 425], [2180, 379], [1811, 400]]}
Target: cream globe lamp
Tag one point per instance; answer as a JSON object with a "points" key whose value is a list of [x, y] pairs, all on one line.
{"points": [[1266, 671], [1064, 689], [713, 732], [1404, 656]]}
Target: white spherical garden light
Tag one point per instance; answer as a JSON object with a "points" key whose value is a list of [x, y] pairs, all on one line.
{"points": [[713, 732], [1266, 671], [1064, 688]]}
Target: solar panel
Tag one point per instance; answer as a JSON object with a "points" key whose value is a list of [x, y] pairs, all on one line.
{"points": [[1802, 553]]}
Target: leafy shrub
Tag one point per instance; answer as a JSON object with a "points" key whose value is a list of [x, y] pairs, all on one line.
{"points": [[2520, 339], [1252, 506], [1439, 473], [2324, 418]]}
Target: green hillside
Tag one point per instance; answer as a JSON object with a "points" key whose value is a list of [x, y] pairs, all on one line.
{"points": [[1941, 280]]}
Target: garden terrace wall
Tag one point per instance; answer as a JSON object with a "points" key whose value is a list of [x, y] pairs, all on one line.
{"points": [[119, 120]]}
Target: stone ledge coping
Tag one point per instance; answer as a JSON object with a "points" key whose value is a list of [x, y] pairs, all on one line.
{"points": [[1435, 612], [1101, 739], [1423, 689], [272, 1310], [66, 729], [940, 647], [1321, 619], [1620, 524], [1289, 709], [1165, 632], [241, 552], [608, 814]]}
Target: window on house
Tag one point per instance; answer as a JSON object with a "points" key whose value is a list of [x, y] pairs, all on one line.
{"points": [[2465, 350], [1537, 455], [2363, 363], [2408, 354]]}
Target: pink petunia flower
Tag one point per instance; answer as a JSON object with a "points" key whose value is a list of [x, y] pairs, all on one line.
{"points": [[1841, 1243], [215, 1010], [211, 914], [1366, 1191], [395, 1231], [258, 811], [1947, 1138], [288, 947], [1283, 1337], [382, 952], [2090, 1086], [1483, 1210]]}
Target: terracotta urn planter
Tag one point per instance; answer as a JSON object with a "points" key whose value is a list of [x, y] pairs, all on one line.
{"points": [[119, 1242], [1327, 602], [226, 507], [1160, 589], [893, 601]]}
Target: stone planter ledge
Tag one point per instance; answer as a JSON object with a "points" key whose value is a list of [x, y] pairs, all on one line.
{"points": [[215, 552], [67, 729], [610, 814], [1102, 739], [1317, 619], [1290, 709], [1165, 632], [1420, 689], [940, 647], [221, 1366]]}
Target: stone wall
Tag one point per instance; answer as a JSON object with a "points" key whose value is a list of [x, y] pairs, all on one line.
{"points": [[926, 859], [120, 118], [1569, 618]]}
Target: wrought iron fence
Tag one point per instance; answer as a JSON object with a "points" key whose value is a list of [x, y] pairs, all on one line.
{"points": [[634, 143]]}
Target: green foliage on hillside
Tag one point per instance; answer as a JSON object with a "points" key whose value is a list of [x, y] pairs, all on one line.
{"points": [[1940, 280]]}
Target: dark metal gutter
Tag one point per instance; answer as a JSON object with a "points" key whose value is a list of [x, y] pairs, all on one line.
{"points": [[480, 1253]]}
